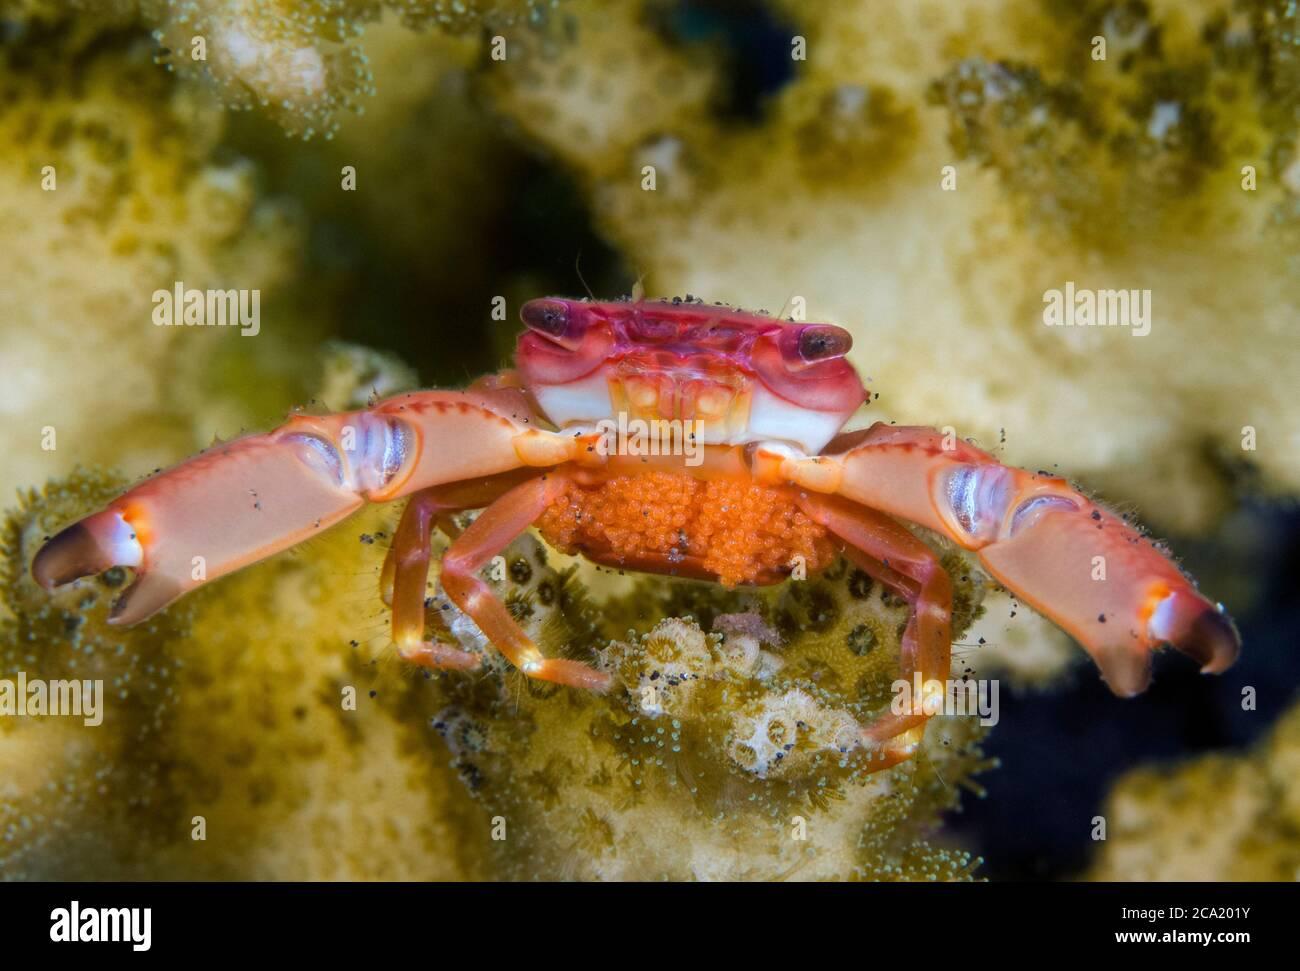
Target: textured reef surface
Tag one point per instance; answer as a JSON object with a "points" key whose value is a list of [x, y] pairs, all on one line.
{"points": [[1218, 817], [727, 749], [922, 176]]}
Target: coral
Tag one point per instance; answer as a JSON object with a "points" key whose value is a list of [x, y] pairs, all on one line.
{"points": [[415, 223], [1126, 144], [1215, 818], [1121, 174], [111, 188], [229, 711], [727, 749], [354, 376], [1018, 646], [147, 191], [72, 791], [299, 61]]}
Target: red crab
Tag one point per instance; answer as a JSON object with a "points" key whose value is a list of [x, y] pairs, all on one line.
{"points": [[760, 477]]}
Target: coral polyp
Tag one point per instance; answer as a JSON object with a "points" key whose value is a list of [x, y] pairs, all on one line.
{"points": [[729, 747]]}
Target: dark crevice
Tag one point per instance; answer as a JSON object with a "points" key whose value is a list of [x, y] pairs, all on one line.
{"points": [[752, 42]]}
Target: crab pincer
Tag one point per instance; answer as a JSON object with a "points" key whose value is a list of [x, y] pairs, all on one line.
{"points": [[1110, 587]]}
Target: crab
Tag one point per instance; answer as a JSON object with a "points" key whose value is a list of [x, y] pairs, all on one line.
{"points": [[757, 480]]}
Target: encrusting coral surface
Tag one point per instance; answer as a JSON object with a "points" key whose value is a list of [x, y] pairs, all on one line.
{"points": [[925, 175]]}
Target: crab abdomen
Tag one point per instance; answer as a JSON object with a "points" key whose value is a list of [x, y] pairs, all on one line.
{"points": [[732, 530]]}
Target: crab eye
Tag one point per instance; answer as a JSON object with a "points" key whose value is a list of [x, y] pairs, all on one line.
{"points": [[552, 320], [821, 342], [804, 346]]}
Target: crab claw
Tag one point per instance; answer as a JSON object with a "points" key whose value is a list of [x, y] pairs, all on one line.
{"points": [[230, 506], [1051, 557], [96, 544], [93, 545], [1185, 621], [1111, 588], [244, 500], [1205, 634]]}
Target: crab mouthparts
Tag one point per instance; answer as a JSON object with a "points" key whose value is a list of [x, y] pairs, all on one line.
{"points": [[720, 403]]}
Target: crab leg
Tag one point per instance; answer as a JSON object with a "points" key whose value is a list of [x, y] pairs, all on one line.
{"points": [[405, 574], [244, 500], [441, 502], [1112, 589], [495, 528], [887, 551], [409, 556]]}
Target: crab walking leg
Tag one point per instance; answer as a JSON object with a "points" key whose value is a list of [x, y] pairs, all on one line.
{"points": [[242, 501], [442, 502], [494, 530], [886, 550], [1105, 584], [901, 746], [410, 558]]}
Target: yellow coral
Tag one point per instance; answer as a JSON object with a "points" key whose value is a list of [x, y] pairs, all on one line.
{"points": [[1219, 817], [725, 754], [109, 191], [298, 61], [229, 746]]}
